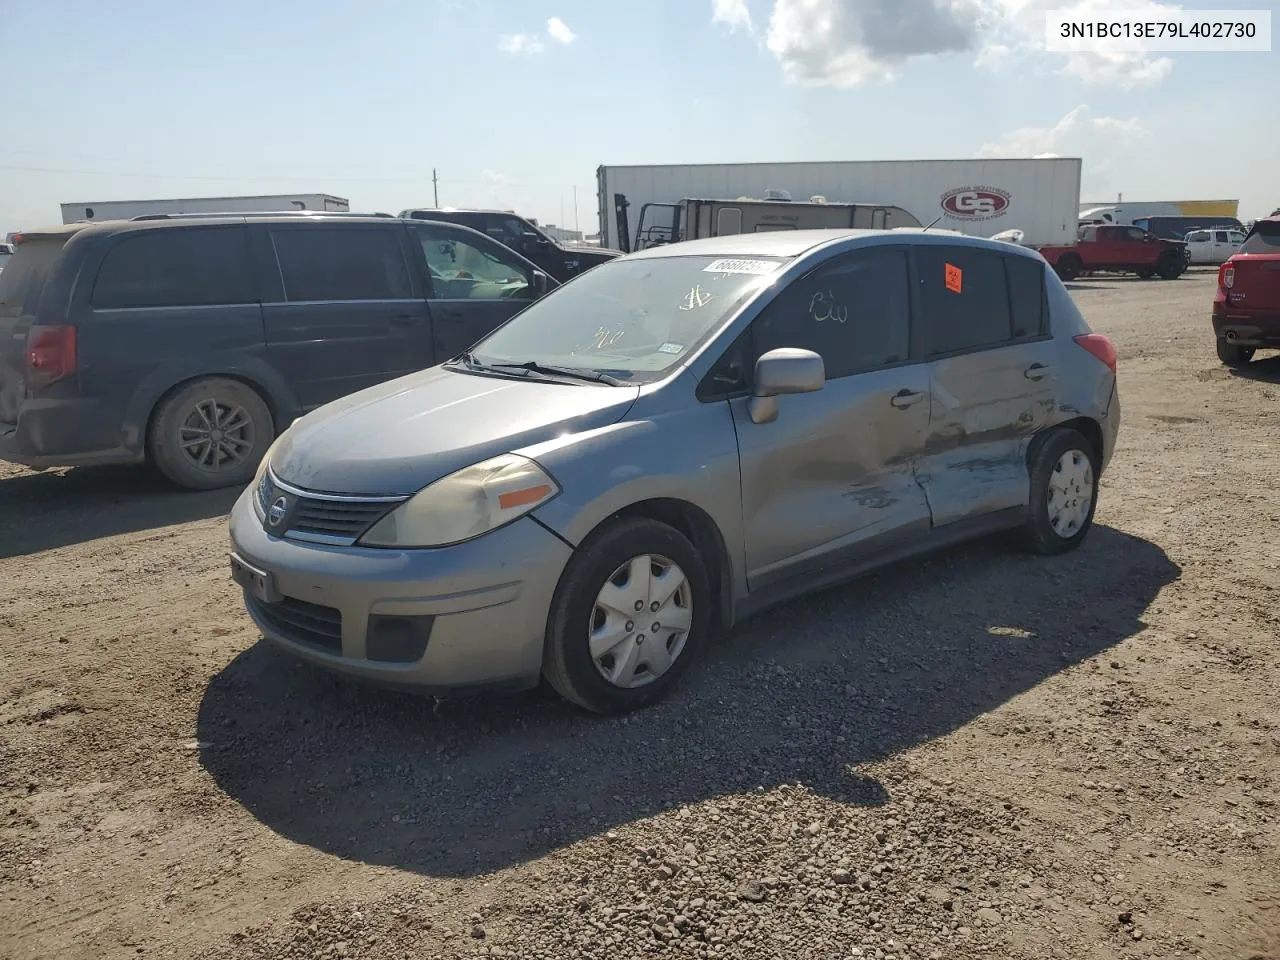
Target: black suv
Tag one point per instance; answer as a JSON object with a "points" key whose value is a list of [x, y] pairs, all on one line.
{"points": [[524, 237], [190, 342]]}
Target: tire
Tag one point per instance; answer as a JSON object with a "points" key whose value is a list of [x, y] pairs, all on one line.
{"points": [[1064, 455], [1170, 267], [225, 459], [607, 556], [1145, 274], [1068, 267], [1234, 355]]}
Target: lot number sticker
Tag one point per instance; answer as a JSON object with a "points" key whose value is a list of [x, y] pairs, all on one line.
{"points": [[955, 278], [757, 268]]}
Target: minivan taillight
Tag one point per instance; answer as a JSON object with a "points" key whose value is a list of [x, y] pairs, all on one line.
{"points": [[1227, 276], [1100, 347], [51, 354]]}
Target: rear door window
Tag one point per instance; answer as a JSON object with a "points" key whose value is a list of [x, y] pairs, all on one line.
{"points": [[342, 263], [177, 268], [964, 299], [854, 312], [23, 277]]}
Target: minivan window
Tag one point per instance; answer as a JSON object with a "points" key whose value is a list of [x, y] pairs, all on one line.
{"points": [[964, 301], [631, 318], [176, 268], [342, 263], [854, 312], [23, 277]]}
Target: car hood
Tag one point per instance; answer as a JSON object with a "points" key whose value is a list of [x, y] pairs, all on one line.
{"points": [[592, 253], [398, 437]]}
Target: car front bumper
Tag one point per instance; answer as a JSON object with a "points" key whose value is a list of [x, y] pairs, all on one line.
{"points": [[437, 621]]}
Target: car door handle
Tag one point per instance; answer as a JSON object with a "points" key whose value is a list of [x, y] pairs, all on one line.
{"points": [[906, 398], [402, 320], [1037, 371]]}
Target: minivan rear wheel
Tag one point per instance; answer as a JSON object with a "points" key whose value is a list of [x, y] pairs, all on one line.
{"points": [[210, 433], [632, 610], [1064, 493]]}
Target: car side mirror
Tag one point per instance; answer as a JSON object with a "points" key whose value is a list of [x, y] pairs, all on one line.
{"points": [[541, 284], [1148, 238], [780, 372]]}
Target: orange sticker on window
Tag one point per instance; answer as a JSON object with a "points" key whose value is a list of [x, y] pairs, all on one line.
{"points": [[955, 278]]}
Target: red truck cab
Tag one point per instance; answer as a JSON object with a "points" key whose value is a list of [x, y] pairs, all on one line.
{"points": [[1114, 248], [1246, 307]]}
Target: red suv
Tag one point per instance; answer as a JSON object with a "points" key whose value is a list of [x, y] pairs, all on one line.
{"points": [[1246, 308]]}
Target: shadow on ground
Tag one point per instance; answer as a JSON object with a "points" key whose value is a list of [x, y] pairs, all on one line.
{"points": [[44, 511], [1265, 369], [804, 694]]}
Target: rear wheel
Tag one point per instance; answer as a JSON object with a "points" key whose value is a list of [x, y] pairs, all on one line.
{"points": [[1234, 355], [210, 433], [1064, 493], [1171, 267], [1068, 267], [632, 610]]}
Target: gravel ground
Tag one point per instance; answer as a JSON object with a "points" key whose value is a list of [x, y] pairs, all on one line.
{"points": [[975, 755]]}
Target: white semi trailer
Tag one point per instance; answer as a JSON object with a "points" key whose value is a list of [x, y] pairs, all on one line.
{"points": [[1040, 198], [126, 209]]}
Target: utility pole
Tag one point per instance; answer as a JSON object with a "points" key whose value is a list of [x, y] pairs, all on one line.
{"points": [[575, 209], [435, 188]]}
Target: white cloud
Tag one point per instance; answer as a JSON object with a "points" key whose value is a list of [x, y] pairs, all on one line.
{"points": [[732, 13], [850, 43], [1017, 27], [1103, 142], [559, 31], [518, 43]]}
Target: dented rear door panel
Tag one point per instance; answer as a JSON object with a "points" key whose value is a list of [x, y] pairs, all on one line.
{"points": [[984, 408]]}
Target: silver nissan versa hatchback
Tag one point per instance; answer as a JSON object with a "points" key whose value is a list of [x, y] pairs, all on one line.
{"points": [[668, 443]]}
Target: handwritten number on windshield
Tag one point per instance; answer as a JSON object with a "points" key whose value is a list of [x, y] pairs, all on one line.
{"points": [[695, 298], [824, 306]]}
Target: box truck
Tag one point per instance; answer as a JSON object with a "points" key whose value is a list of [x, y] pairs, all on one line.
{"points": [[1040, 198], [127, 209]]}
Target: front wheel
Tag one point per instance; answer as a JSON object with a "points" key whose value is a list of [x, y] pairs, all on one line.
{"points": [[632, 611], [1234, 355], [1145, 274], [1069, 267], [1170, 268], [1064, 493]]}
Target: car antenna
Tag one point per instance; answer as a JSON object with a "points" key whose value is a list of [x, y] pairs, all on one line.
{"points": [[933, 224]]}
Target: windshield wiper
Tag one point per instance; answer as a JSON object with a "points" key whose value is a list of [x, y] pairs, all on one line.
{"points": [[533, 367]]}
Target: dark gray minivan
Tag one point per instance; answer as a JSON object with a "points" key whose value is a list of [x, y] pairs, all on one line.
{"points": [[190, 342]]}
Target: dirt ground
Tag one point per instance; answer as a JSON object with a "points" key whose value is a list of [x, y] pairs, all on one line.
{"points": [[975, 755]]}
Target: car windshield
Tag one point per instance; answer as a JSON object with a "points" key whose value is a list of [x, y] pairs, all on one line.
{"points": [[1265, 239], [631, 319]]}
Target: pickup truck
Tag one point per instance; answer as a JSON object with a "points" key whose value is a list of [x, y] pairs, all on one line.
{"points": [[1118, 249]]}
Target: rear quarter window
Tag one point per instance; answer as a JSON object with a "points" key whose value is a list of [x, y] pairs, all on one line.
{"points": [[1262, 241], [176, 268], [23, 278]]}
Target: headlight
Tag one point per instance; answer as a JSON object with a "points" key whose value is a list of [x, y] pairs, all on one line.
{"points": [[465, 505], [259, 480]]}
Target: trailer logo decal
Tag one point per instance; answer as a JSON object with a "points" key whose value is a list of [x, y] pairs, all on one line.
{"points": [[976, 203], [954, 278]]}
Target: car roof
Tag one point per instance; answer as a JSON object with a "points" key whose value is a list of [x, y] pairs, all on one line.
{"points": [[794, 243], [506, 213]]}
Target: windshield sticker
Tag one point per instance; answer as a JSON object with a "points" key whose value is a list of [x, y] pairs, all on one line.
{"points": [[824, 306], [955, 278], [755, 268], [670, 347], [695, 298]]}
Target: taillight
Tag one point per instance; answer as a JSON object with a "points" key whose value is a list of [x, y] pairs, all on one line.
{"points": [[1227, 276], [1100, 347], [51, 354]]}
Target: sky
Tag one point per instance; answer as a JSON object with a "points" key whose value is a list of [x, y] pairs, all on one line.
{"points": [[514, 103]]}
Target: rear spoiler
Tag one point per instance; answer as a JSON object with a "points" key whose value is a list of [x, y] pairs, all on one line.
{"points": [[1267, 225]]}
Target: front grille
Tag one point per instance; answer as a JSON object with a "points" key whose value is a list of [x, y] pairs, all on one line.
{"points": [[325, 518], [335, 518], [302, 622]]}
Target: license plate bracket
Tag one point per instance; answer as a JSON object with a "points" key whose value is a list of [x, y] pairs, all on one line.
{"points": [[259, 583]]}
